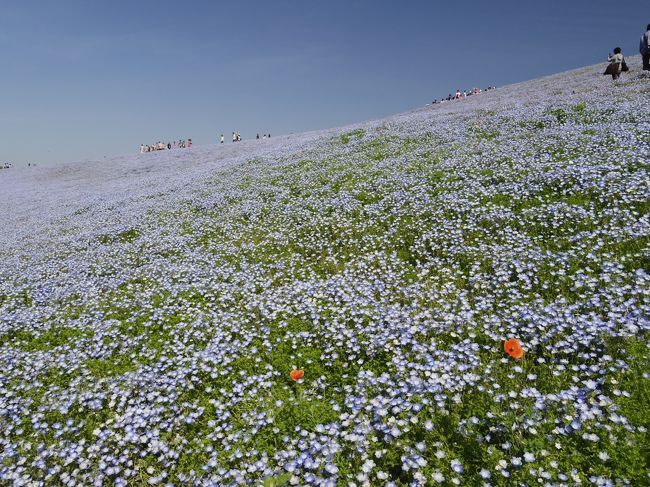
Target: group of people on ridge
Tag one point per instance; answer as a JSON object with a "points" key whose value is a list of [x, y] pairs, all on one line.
{"points": [[617, 64], [236, 137], [162, 146], [460, 95]]}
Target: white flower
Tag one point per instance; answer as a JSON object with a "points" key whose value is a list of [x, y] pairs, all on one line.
{"points": [[438, 477], [368, 466]]}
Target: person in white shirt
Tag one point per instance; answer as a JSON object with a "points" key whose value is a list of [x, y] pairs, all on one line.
{"points": [[615, 66]]}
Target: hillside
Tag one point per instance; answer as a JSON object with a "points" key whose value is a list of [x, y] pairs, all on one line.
{"points": [[152, 307]]}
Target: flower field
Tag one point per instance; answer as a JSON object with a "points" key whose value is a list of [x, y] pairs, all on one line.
{"points": [[456, 295]]}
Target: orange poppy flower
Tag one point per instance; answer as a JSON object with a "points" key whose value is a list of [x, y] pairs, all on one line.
{"points": [[513, 348], [297, 374]]}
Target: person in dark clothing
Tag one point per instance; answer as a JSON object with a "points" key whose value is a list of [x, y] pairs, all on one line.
{"points": [[644, 49]]}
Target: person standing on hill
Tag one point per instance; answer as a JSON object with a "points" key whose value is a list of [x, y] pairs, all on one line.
{"points": [[615, 66], [644, 49]]}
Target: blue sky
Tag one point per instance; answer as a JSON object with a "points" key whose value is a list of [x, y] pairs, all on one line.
{"points": [[87, 79]]}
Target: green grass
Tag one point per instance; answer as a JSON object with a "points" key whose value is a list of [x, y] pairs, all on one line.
{"points": [[354, 134], [127, 236]]}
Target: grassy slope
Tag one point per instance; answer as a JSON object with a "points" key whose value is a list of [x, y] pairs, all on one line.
{"points": [[390, 262]]}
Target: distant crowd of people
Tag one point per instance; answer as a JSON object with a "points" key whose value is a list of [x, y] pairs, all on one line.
{"points": [[236, 137], [460, 95], [9, 165], [616, 62], [181, 144]]}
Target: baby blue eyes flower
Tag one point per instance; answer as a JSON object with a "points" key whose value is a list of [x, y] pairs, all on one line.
{"points": [[590, 384], [456, 466]]}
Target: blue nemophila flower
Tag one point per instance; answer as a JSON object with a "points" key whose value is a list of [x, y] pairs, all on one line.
{"points": [[456, 466]]}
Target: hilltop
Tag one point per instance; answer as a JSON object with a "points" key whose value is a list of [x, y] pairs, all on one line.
{"points": [[153, 306]]}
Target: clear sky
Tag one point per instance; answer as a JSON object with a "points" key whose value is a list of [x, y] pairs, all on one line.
{"points": [[86, 79]]}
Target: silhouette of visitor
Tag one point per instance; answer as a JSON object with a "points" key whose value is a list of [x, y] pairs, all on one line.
{"points": [[644, 49]]}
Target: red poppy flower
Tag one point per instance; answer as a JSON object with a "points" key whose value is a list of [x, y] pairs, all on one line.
{"points": [[513, 348], [297, 374]]}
